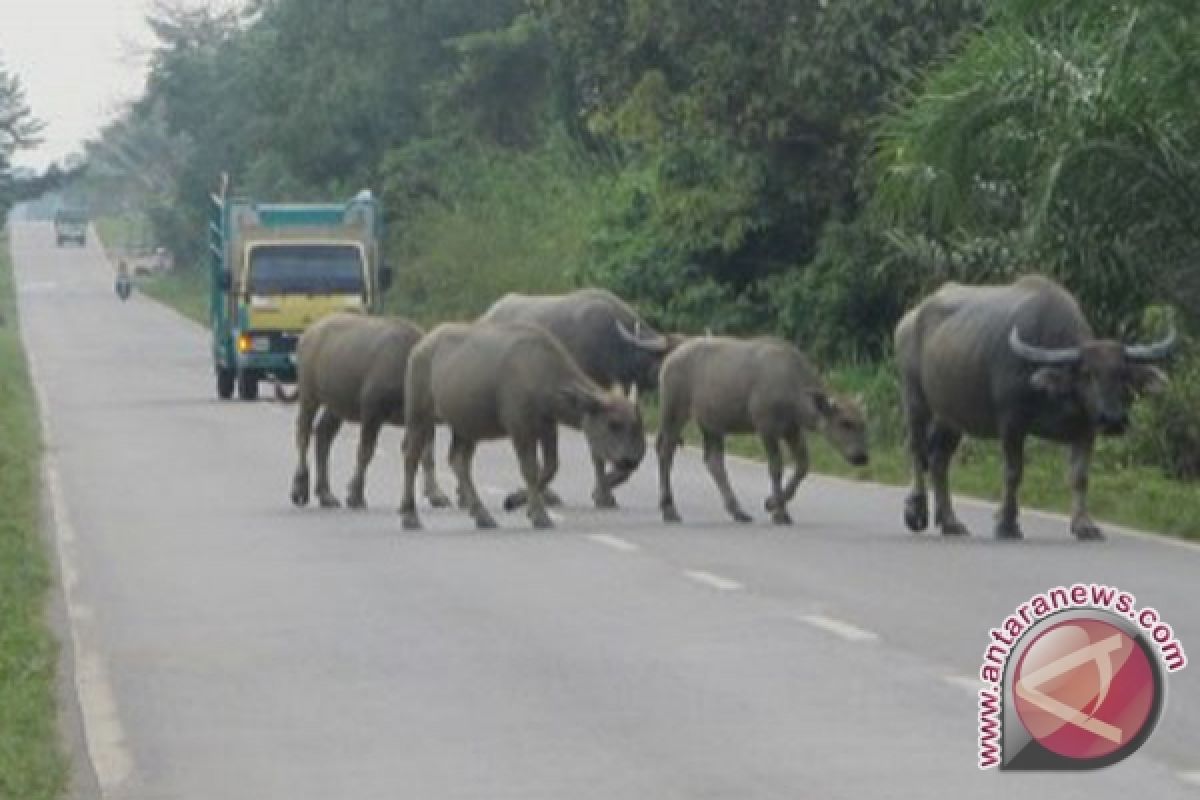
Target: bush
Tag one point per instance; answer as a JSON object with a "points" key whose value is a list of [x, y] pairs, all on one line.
{"points": [[1167, 426]]}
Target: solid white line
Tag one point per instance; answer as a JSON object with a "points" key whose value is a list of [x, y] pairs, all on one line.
{"points": [[972, 685], [711, 580], [111, 760], [851, 633], [615, 542]]}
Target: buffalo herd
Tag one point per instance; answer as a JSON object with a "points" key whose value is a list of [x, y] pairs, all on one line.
{"points": [[992, 362]]}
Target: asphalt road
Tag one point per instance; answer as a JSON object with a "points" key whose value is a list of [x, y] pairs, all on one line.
{"points": [[227, 645]]}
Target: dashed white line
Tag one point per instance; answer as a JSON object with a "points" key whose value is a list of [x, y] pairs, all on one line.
{"points": [[972, 685], [851, 633], [713, 581], [1190, 777], [615, 542]]}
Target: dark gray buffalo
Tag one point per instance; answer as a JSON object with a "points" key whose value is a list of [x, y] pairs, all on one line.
{"points": [[609, 342], [515, 381], [1007, 362], [764, 386], [351, 368]]}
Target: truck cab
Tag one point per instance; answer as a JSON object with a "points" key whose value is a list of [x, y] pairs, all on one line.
{"points": [[70, 225], [278, 267]]}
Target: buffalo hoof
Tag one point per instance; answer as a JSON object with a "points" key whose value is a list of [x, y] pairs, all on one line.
{"points": [[437, 499], [740, 516], [515, 500], [357, 502], [1009, 530], [484, 521], [410, 521], [604, 500], [670, 515], [954, 528], [327, 500], [300, 490], [541, 521], [781, 517], [916, 512], [1087, 531]]}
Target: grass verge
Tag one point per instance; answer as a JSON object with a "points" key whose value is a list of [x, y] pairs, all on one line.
{"points": [[32, 763]]}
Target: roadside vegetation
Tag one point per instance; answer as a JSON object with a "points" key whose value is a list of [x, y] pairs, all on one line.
{"points": [[32, 765], [781, 166]]}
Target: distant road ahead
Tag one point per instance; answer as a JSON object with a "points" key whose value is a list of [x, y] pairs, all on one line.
{"points": [[230, 646]]}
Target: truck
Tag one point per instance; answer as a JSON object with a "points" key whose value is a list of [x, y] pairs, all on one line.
{"points": [[70, 225], [278, 267]]}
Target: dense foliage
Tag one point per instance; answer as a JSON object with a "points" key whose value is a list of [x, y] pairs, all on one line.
{"points": [[808, 168]]}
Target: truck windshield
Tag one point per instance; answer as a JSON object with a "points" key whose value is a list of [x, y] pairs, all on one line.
{"points": [[305, 269]]}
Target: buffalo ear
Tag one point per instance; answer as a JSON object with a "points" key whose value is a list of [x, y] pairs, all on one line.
{"points": [[580, 399], [1054, 380], [1148, 380]]}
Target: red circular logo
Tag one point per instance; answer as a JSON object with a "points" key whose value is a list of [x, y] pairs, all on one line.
{"points": [[1084, 689]]}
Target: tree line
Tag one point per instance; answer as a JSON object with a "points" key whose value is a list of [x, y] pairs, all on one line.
{"points": [[803, 167]]}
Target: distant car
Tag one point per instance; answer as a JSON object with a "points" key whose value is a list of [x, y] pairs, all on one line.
{"points": [[70, 226]]}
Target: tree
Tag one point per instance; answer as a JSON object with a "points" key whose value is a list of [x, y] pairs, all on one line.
{"points": [[19, 130]]}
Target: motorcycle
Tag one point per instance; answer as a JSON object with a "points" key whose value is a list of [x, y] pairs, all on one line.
{"points": [[124, 286]]}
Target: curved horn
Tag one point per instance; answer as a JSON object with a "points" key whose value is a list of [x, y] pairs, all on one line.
{"points": [[1050, 357], [655, 344], [1148, 353]]}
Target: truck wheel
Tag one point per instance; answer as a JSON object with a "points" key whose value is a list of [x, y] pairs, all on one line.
{"points": [[225, 378], [247, 385]]}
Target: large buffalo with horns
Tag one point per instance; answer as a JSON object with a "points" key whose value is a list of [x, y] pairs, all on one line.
{"points": [[607, 340], [1007, 362]]}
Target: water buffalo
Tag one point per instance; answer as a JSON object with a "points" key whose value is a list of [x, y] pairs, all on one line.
{"points": [[353, 367], [609, 342], [764, 386], [1007, 362], [497, 380]]}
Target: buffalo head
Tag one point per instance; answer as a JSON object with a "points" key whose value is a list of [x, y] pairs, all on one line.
{"points": [[844, 426], [648, 351], [1102, 374], [612, 424]]}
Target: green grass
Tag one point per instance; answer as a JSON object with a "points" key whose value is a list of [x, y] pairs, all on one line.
{"points": [[185, 290], [32, 764]]}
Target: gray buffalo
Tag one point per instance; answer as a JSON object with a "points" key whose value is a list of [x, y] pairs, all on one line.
{"points": [[351, 368], [1007, 362], [609, 342], [515, 381], [764, 386]]}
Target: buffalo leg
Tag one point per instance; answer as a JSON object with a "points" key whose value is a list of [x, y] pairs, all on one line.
{"points": [[433, 493], [602, 494], [462, 452], [549, 445], [418, 441], [328, 425], [665, 446], [799, 450], [526, 450], [304, 426], [1013, 445], [714, 459], [943, 441], [916, 505], [1081, 522], [777, 502], [368, 437]]}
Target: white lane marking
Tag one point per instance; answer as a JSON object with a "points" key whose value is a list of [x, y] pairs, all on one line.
{"points": [[104, 736], [714, 581], [1189, 777], [851, 633], [972, 685], [615, 542]]}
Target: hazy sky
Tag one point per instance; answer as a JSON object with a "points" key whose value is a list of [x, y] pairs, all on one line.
{"points": [[79, 60]]}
